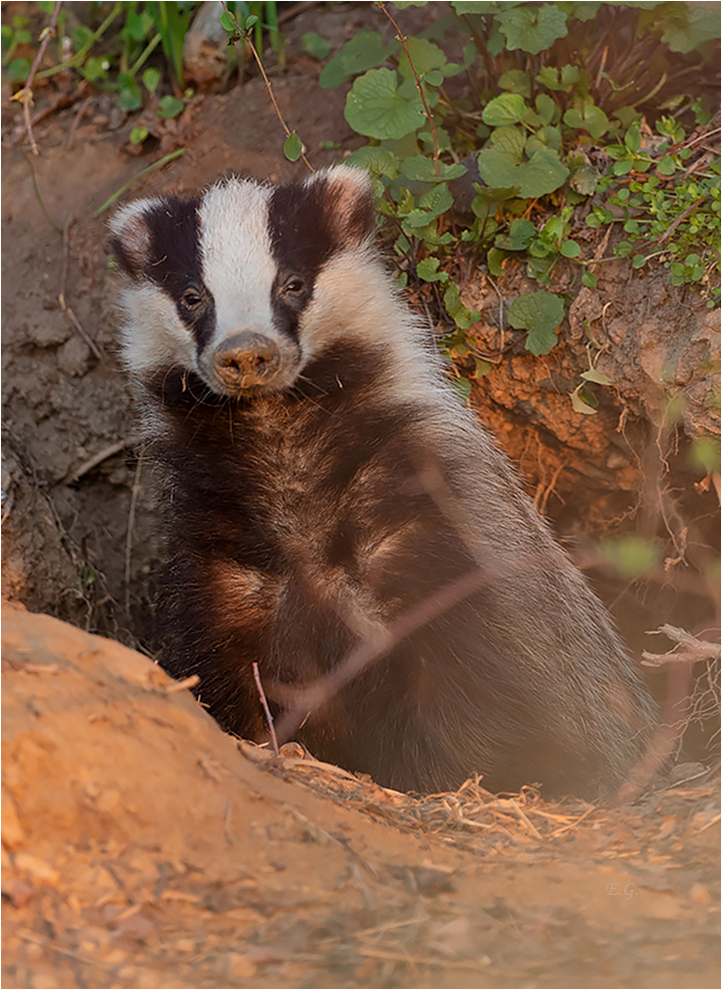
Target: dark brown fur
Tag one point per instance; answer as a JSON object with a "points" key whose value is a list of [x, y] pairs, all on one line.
{"points": [[300, 522]]}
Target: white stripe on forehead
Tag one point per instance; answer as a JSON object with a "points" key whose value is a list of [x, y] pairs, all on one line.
{"points": [[238, 267]]}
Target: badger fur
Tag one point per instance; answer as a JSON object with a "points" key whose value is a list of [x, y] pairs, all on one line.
{"points": [[321, 481]]}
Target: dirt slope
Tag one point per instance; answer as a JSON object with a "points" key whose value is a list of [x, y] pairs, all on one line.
{"points": [[142, 849]]}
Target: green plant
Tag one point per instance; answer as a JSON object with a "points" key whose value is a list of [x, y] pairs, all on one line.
{"points": [[545, 125], [241, 27], [673, 214], [113, 54], [15, 34]]}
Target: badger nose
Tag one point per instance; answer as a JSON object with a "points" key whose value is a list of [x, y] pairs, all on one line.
{"points": [[246, 359]]}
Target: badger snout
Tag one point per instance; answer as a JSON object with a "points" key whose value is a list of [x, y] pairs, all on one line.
{"points": [[245, 360]]}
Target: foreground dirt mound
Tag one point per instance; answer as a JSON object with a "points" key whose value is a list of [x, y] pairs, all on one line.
{"points": [[141, 848]]}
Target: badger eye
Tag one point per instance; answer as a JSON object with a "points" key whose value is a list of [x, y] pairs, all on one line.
{"points": [[192, 299], [294, 286]]}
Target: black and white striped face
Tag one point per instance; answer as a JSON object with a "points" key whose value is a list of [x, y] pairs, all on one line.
{"points": [[246, 283]]}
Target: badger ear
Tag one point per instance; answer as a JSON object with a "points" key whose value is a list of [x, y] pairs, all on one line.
{"points": [[129, 240], [349, 203]]}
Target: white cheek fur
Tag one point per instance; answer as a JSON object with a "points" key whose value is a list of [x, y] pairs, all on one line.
{"points": [[152, 334]]}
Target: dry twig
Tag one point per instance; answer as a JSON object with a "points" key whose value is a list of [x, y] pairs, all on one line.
{"points": [[98, 458], [266, 709], [61, 295]]}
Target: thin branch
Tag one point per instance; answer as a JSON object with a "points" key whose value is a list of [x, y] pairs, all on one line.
{"points": [[429, 116], [96, 459], [372, 649], [259, 63], [119, 192], [25, 95], [267, 710], [63, 301], [703, 137], [678, 221], [39, 198]]}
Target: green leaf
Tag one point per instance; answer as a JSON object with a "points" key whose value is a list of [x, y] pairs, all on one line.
{"points": [[549, 76], [434, 77], [425, 56], [515, 81], [130, 97], [589, 118], [631, 555], [482, 368], [428, 270], [596, 376], [138, 135], [585, 180], [292, 147], [545, 107], [542, 174], [488, 196], [227, 21], [506, 109], [462, 317], [378, 161], [702, 24], [511, 139], [570, 249], [494, 259], [540, 313], [545, 137], [532, 28], [419, 168], [666, 166], [472, 7], [375, 108], [170, 107], [520, 234], [579, 404], [315, 45], [437, 201], [364, 51], [96, 67], [633, 138], [639, 261], [151, 78], [589, 280]]}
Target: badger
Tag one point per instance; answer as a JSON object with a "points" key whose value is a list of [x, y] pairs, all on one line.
{"points": [[327, 497]]}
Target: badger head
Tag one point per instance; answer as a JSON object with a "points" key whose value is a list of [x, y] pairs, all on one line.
{"points": [[246, 283]]}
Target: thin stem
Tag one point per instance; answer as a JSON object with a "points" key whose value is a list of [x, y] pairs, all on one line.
{"points": [[75, 60], [119, 192], [25, 96], [266, 709], [145, 54], [259, 63], [429, 116]]}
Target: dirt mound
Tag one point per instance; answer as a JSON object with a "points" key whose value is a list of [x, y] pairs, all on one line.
{"points": [[142, 849]]}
